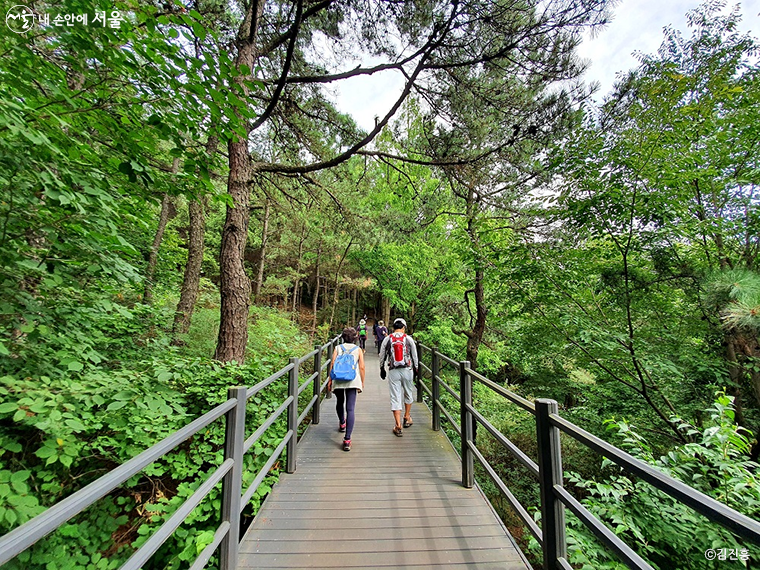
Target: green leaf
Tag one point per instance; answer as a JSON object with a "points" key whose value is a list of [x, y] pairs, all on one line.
{"points": [[11, 517], [164, 376], [199, 31], [45, 451], [75, 425]]}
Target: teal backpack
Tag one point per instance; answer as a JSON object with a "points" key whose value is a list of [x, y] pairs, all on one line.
{"points": [[344, 367]]}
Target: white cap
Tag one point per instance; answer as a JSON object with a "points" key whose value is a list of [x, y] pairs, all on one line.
{"points": [[399, 320]]}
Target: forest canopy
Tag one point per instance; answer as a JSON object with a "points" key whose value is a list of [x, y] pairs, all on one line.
{"points": [[183, 204]]}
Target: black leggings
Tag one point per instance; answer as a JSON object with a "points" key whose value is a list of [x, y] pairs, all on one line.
{"points": [[362, 341], [349, 396]]}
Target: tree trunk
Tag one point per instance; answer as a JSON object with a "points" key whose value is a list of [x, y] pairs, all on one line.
{"points": [[316, 288], [337, 282], [262, 253], [163, 219], [191, 279], [354, 306], [475, 338], [296, 285], [336, 294], [387, 312], [475, 335], [235, 287], [196, 238]]}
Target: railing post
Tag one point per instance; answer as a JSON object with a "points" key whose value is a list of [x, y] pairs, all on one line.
{"points": [[317, 385], [550, 474], [435, 367], [465, 394], [419, 372], [232, 484], [292, 416]]}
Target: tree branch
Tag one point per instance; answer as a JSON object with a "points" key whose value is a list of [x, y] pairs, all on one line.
{"points": [[285, 69]]}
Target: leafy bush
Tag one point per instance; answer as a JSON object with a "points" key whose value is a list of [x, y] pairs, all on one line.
{"points": [[64, 421]]}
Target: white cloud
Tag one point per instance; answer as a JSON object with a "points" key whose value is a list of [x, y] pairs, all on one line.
{"points": [[369, 96], [637, 26]]}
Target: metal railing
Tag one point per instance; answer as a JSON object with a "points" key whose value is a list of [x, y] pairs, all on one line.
{"points": [[230, 472], [548, 471]]}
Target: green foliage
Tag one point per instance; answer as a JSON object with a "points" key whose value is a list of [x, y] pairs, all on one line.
{"points": [[736, 293], [438, 333], [59, 431], [662, 530]]}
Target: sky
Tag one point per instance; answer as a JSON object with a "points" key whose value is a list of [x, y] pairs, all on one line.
{"points": [[636, 26]]}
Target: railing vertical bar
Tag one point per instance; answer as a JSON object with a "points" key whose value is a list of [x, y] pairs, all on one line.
{"points": [[418, 372], [435, 367], [549, 475], [232, 484], [465, 394], [292, 416], [317, 382]]}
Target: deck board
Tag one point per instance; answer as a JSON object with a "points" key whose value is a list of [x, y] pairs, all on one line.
{"points": [[391, 502]]}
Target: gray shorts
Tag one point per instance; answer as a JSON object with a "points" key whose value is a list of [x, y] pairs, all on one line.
{"points": [[400, 384]]}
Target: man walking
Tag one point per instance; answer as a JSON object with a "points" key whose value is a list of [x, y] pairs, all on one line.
{"points": [[400, 353]]}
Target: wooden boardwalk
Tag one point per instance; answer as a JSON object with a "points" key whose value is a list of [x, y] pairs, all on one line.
{"points": [[391, 502]]}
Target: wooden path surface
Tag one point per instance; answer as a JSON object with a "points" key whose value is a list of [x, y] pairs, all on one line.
{"points": [[390, 502]]}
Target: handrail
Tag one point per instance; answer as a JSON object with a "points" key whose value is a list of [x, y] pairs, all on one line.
{"points": [[703, 504], [308, 381], [605, 535], [526, 405], [254, 437], [516, 452], [148, 549], [21, 538], [226, 535], [554, 496], [449, 389], [535, 530], [306, 357], [451, 361], [253, 390], [253, 487]]}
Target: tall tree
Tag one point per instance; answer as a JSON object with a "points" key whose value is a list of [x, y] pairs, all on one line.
{"points": [[430, 40], [195, 246], [659, 191]]}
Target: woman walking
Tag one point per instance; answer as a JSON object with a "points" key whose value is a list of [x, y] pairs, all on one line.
{"points": [[348, 356]]}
